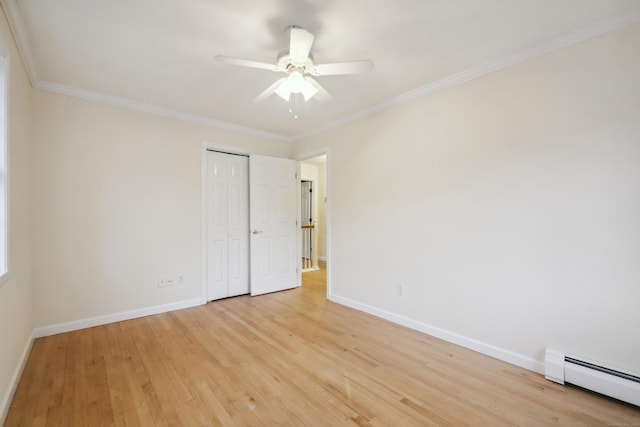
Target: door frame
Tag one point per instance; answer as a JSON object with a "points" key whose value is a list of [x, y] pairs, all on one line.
{"points": [[329, 218]]}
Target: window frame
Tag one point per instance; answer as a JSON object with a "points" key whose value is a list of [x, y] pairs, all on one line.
{"points": [[4, 162]]}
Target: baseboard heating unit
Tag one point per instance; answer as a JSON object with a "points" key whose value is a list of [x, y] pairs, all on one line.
{"points": [[563, 368]]}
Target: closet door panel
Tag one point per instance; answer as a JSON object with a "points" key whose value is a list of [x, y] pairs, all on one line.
{"points": [[227, 225], [238, 225], [217, 220]]}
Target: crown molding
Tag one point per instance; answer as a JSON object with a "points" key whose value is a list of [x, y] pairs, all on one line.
{"points": [[19, 33], [621, 20], [627, 17], [156, 110]]}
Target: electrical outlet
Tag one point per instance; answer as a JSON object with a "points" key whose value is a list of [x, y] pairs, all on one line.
{"points": [[164, 281], [400, 289]]}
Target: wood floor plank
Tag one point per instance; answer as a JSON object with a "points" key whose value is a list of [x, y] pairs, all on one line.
{"points": [[32, 388], [55, 411], [100, 408], [290, 358]]}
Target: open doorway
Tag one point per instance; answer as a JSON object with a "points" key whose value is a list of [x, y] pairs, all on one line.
{"points": [[313, 215]]}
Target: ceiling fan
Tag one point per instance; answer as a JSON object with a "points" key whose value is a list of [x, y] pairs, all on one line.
{"points": [[297, 64]]}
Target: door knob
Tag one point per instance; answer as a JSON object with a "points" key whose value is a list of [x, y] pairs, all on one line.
{"points": [[256, 231]]}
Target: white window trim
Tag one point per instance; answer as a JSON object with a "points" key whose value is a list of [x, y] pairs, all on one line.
{"points": [[4, 162]]}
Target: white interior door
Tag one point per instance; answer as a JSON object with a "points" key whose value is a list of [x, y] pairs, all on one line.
{"points": [[227, 225], [274, 257]]}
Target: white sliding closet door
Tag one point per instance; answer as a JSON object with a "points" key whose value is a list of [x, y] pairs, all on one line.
{"points": [[227, 225]]}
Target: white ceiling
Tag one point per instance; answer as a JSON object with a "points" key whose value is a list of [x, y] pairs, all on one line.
{"points": [[158, 55]]}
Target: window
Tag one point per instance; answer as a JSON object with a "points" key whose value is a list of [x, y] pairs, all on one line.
{"points": [[4, 176]]}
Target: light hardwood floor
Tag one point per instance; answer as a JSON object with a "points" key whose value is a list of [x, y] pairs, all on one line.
{"points": [[288, 358]]}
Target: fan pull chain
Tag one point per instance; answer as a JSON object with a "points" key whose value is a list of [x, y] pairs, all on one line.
{"points": [[293, 105]]}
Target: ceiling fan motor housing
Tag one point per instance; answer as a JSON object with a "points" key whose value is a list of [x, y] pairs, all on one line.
{"points": [[287, 64]]}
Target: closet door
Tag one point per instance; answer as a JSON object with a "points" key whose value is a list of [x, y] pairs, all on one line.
{"points": [[274, 234], [227, 225], [238, 225]]}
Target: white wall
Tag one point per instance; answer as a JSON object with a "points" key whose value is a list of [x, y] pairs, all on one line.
{"points": [[15, 294], [508, 206], [116, 205]]}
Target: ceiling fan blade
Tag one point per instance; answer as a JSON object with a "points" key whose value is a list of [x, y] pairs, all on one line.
{"points": [[321, 95], [350, 67], [300, 45], [269, 91], [247, 63]]}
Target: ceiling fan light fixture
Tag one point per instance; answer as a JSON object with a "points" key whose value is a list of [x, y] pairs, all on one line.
{"points": [[284, 91], [296, 82], [308, 91]]}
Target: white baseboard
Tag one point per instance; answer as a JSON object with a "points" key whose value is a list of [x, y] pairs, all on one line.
{"points": [[110, 318], [15, 379], [480, 347]]}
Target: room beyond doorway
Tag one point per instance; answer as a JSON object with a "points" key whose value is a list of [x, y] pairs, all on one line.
{"points": [[314, 230], [316, 280], [313, 178], [308, 222]]}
